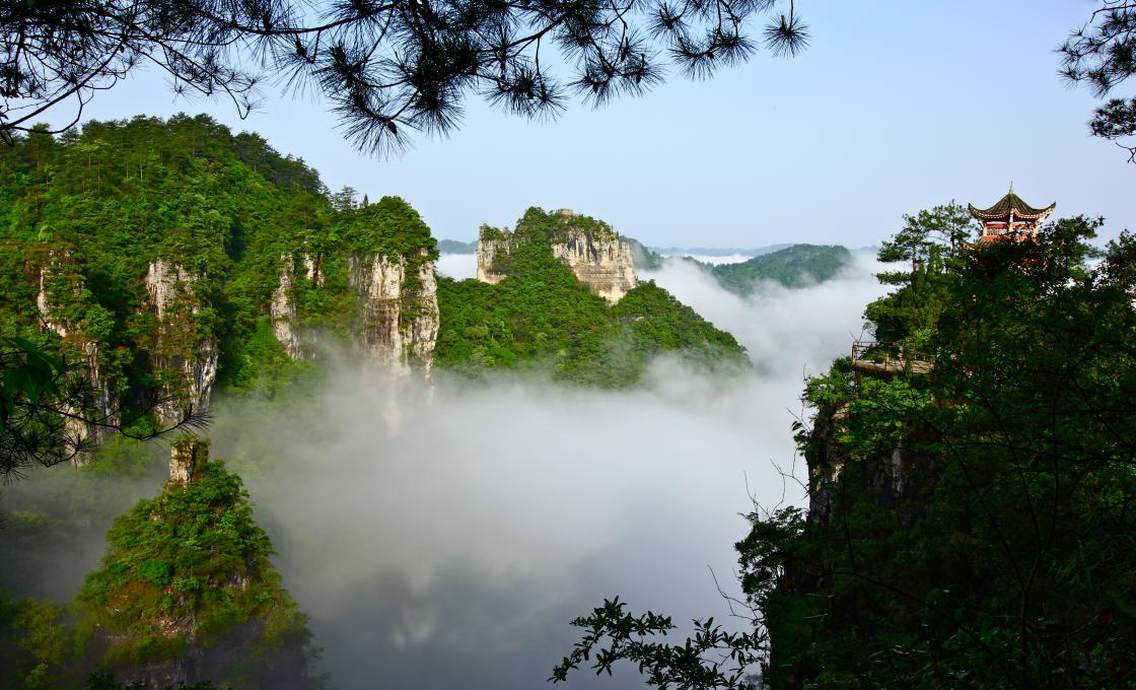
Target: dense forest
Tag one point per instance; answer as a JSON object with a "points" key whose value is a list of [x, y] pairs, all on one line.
{"points": [[88, 219], [796, 266]]}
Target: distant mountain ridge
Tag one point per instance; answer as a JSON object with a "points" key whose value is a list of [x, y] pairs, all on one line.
{"points": [[793, 266], [457, 247], [470, 247], [719, 251]]}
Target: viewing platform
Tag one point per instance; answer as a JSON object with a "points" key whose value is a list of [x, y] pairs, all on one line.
{"points": [[871, 358]]}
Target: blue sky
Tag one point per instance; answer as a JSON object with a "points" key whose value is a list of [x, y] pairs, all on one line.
{"points": [[896, 106]]}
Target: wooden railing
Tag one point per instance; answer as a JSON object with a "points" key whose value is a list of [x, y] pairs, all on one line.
{"points": [[871, 356]]}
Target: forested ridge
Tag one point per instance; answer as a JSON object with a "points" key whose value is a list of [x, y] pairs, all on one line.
{"points": [[794, 266], [86, 216], [93, 211]]}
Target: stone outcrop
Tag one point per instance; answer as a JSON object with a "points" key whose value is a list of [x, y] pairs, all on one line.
{"points": [[186, 456], [56, 276], [313, 268], [242, 649], [184, 359], [600, 260], [282, 308], [398, 320]]}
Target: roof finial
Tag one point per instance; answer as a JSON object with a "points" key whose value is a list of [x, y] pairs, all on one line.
{"points": [[1011, 186]]}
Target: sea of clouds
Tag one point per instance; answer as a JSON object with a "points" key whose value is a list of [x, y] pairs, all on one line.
{"points": [[444, 535]]}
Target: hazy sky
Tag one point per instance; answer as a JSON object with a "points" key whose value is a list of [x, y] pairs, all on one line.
{"points": [[896, 106]]}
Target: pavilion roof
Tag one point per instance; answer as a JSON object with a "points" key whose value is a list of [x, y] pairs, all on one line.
{"points": [[1011, 202]]}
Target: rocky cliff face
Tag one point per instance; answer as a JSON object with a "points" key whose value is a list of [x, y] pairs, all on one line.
{"points": [[398, 320], [600, 260], [58, 276], [899, 480], [184, 357], [282, 308]]}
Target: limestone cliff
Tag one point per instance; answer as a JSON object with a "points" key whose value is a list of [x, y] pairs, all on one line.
{"points": [[60, 283], [282, 308], [597, 256], [398, 320], [184, 356]]}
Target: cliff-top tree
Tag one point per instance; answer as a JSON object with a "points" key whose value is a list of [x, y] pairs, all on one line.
{"points": [[388, 66]]}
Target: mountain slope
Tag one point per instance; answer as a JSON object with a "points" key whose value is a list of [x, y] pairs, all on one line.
{"points": [[795, 266], [541, 317]]}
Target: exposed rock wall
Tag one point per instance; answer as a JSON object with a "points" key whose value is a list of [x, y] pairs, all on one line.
{"points": [[487, 251], [602, 262], [282, 309], [185, 359], [57, 275], [604, 265], [398, 320]]}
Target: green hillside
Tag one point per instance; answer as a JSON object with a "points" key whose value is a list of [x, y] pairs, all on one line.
{"points": [[95, 210], [542, 318], [796, 266]]}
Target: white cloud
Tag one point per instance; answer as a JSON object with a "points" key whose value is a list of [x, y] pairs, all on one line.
{"points": [[449, 544], [457, 266]]}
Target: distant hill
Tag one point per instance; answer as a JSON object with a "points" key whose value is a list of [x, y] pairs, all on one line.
{"points": [[718, 251], [795, 265], [457, 247], [798, 265]]}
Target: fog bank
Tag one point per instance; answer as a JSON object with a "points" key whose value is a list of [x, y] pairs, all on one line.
{"points": [[444, 537]]}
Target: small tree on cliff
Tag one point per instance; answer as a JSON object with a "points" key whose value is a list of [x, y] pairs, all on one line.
{"points": [[932, 242]]}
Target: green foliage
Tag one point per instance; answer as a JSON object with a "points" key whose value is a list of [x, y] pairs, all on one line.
{"points": [[976, 532], [797, 266], [710, 658], [389, 228], [541, 318], [934, 243], [36, 639], [91, 212]]}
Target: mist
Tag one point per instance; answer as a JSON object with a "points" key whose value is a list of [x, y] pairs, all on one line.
{"points": [[443, 535]]}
